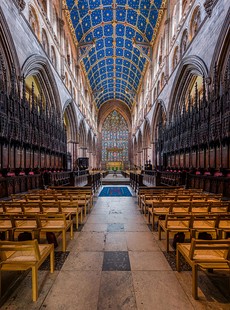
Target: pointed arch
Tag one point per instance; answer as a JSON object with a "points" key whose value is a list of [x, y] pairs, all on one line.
{"points": [[82, 135], [38, 66], [189, 67]]}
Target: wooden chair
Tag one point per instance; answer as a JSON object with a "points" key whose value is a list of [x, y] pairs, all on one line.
{"points": [[223, 225], [25, 223], [180, 207], [199, 207], [206, 254], [56, 223], [219, 207], [26, 255], [203, 223], [31, 207], [72, 208], [158, 209], [50, 207], [173, 223], [12, 207], [6, 225], [31, 197]]}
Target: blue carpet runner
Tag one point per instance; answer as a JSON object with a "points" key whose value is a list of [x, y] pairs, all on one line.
{"points": [[115, 192]]}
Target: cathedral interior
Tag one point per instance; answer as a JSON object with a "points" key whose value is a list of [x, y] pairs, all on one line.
{"points": [[114, 154]]}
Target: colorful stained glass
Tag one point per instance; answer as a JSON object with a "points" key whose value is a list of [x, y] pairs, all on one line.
{"points": [[115, 138]]}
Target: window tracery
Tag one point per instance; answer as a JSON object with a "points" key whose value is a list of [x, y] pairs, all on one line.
{"points": [[195, 22], [115, 138], [184, 42], [33, 20]]}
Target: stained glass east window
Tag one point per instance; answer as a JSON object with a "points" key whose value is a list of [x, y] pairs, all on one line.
{"points": [[115, 138]]}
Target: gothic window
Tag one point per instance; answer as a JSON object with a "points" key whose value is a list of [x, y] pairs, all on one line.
{"points": [[45, 42], [195, 22], [33, 20], [53, 57], [175, 58], [115, 136], [184, 42]]}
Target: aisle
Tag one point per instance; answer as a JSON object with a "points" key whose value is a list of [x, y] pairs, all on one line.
{"points": [[115, 262]]}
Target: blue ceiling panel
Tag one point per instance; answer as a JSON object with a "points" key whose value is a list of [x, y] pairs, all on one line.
{"points": [[113, 62]]}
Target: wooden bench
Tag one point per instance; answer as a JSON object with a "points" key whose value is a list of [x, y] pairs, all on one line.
{"points": [[206, 254], [25, 255]]}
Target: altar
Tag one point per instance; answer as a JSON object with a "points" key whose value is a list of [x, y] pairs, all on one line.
{"points": [[114, 165]]}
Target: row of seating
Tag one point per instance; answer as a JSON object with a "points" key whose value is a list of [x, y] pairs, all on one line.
{"points": [[57, 207], [218, 225], [37, 224], [163, 208], [206, 214], [83, 200], [39, 212], [147, 200]]}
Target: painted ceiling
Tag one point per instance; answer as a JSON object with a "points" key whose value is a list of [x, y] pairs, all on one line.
{"points": [[105, 33]]}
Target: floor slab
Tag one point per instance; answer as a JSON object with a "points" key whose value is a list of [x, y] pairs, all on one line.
{"points": [[116, 291], [84, 261], [74, 290], [159, 290], [148, 261]]}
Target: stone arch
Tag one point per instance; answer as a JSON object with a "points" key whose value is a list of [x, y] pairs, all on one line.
{"points": [[39, 67], [158, 122], [189, 67], [82, 135], [70, 113], [120, 107]]}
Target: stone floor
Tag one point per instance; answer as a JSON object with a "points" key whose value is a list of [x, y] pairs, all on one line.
{"points": [[116, 262]]}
